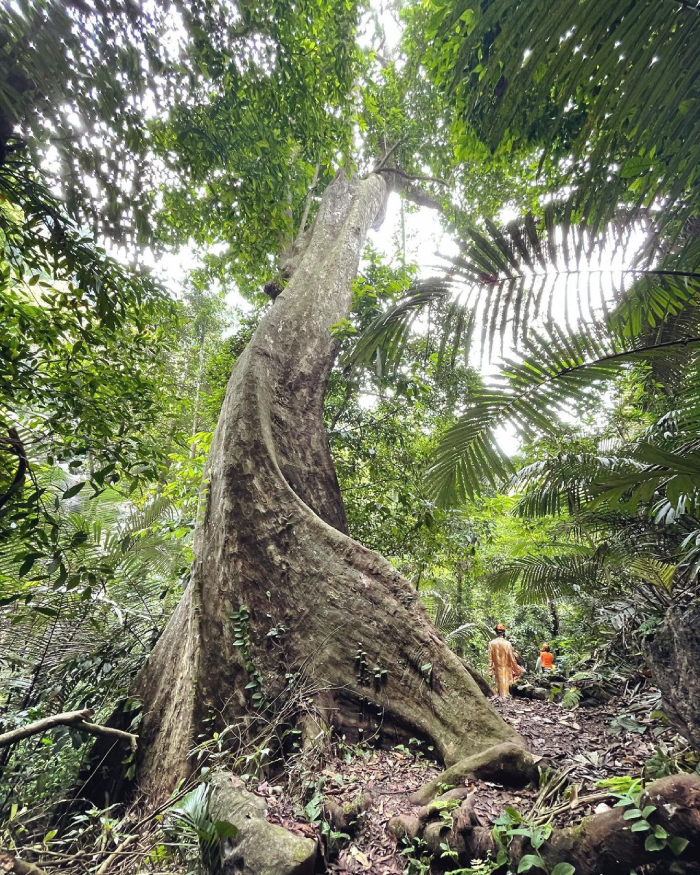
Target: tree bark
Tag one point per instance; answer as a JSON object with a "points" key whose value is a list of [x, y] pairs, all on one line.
{"points": [[322, 610], [672, 653]]}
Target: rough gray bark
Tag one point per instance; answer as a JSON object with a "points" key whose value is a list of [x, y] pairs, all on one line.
{"points": [[674, 655], [273, 539]]}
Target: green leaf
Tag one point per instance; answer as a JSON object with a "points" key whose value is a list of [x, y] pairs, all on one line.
{"points": [[73, 490], [225, 830], [47, 612], [28, 562], [632, 814], [635, 167], [652, 843], [677, 844], [529, 861], [641, 826], [563, 869]]}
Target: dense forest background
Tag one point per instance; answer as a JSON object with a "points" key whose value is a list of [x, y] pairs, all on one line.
{"points": [[154, 161]]}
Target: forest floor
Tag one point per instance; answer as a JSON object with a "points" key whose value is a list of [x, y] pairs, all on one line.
{"points": [[581, 746]]}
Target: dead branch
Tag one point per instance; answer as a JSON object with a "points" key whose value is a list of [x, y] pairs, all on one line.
{"points": [[98, 729], [129, 840], [67, 718]]}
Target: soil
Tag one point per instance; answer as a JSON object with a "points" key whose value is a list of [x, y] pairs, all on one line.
{"points": [[583, 743]]}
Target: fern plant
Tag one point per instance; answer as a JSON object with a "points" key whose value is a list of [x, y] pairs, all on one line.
{"points": [[196, 835]]}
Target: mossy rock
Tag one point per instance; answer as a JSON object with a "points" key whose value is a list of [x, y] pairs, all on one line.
{"points": [[259, 847]]}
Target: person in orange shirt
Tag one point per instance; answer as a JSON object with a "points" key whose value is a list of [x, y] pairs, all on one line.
{"points": [[503, 665], [546, 659]]}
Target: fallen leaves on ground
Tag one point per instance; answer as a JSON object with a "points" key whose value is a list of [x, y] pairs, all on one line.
{"points": [[578, 742]]}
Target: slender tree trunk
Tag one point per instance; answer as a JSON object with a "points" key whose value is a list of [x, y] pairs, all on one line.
{"points": [[554, 614], [273, 540], [459, 602]]}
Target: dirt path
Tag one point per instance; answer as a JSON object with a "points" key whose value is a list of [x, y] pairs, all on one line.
{"points": [[580, 743]]}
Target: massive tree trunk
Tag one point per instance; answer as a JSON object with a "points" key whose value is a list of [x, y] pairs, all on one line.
{"points": [[321, 610]]}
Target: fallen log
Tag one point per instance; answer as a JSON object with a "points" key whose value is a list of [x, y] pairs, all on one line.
{"points": [[607, 842]]}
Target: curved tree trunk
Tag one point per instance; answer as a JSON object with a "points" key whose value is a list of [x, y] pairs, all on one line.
{"points": [[273, 539]]}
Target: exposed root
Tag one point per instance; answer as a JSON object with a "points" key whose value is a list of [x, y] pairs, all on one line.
{"points": [[602, 843], [506, 763]]}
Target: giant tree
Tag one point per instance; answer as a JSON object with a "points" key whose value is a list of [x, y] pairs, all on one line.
{"points": [[280, 595], [282, 604]]}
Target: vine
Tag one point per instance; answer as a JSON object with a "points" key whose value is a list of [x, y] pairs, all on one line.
{"points": [[254, 687]]}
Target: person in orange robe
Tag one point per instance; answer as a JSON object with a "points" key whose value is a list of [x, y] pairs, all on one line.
{"points": [[503, 665], [546, 660]]}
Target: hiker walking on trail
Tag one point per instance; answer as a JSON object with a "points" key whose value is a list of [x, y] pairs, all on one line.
{"points": [[503, 665]]}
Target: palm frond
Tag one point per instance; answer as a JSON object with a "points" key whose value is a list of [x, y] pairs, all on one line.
{"points": [[557, 374], [613, 82], [676, 472], [537, 579], [508, 281], [564, 482]]}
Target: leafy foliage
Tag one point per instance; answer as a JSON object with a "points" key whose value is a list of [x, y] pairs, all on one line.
{"points": [[199, 121], [608, 88], [191, 823]]}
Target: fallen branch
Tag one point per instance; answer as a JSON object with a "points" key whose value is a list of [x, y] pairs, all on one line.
{"points": [[546, 815], [129, 840], [97, 729], [78, 719]]}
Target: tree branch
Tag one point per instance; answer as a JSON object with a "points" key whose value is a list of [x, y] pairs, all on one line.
{"points": [[382, 162], [15, 446], [307, 205], [409, 176], [67, 718], [403, 182]]}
